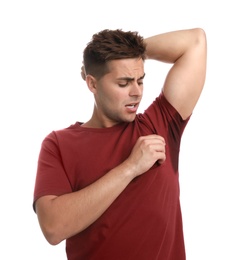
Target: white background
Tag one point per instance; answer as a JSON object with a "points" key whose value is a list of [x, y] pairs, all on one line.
{"points": [[41, 45]]}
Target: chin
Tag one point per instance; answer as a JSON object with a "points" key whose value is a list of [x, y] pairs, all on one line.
{"points": [[129, 119]]}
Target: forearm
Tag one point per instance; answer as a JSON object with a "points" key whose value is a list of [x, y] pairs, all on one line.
{"points": [[69, 214], [169, 47]]}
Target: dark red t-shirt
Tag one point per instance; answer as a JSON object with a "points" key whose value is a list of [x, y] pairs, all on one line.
{"points": [[144, 222]]}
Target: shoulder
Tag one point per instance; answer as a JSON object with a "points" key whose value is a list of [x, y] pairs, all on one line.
{"points": [[161, 107], [161, 115], [56, 135]]}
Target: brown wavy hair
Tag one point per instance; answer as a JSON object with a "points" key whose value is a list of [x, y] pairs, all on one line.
{"points": [[108, 45]]}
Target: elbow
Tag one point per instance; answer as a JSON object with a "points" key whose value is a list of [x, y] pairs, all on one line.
{"points": [[50, 224], [56, 233], [52, 235], [200, 37]]}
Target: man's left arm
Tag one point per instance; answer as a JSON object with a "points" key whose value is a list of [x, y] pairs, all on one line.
{"points": [[187, 50]]}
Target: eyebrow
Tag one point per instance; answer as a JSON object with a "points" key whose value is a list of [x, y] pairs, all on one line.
{"points": [[131, 79]]}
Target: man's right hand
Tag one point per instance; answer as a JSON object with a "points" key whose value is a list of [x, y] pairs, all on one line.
{"points": [[147, 150]]}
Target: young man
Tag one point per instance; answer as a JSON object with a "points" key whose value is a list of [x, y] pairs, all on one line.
{"points": [[110, 186]]}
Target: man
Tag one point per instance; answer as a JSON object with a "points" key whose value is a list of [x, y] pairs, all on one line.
{"points": [[109, 186]]}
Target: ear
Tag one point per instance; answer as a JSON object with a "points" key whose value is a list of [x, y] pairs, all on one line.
{"points": [[91, 82]]}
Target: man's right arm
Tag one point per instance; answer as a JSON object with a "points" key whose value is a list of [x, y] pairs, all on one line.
{"points": [[61, 217]]}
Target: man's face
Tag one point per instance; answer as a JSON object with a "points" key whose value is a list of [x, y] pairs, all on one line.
{"points": [[119, 92]]}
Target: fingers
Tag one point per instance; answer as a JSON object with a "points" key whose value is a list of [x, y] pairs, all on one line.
{"points": [[156, 142], [153, 136], [147, 151], [152, 149]]}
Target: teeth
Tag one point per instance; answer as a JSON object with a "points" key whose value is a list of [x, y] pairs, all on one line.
{"points": [[131, 106]]}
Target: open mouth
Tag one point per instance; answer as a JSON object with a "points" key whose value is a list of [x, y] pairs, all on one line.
{"points": [[131, 105]]}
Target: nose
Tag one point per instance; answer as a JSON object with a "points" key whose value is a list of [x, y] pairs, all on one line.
{"points": [[136, 89]]}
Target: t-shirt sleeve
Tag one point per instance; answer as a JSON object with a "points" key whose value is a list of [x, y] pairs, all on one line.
{"points": [[51, 178], [162, 116]]}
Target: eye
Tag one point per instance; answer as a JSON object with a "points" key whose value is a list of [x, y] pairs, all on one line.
{"points": [[122, 85], [140, 83]]}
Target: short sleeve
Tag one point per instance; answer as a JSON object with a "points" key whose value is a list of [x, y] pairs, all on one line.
{"points": [[51, 178]]}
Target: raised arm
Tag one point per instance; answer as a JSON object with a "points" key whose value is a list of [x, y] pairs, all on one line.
{"points": [[186, 49]]}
